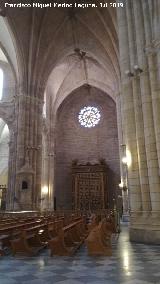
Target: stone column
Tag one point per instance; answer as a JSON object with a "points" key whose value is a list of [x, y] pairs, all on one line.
{"points": [[48, 169], [150, 140], [121, 139], [38, 153], [51, 182], [11, 168], [45, 168], [157, 50], [156, 37], [153, 74], [142, 161], [128, 114], [48, 157], [149, 230], [29, 147], [52, 135], [7, 112]]}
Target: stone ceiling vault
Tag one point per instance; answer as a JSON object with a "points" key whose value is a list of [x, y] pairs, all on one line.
{"points": [[44, 38]]}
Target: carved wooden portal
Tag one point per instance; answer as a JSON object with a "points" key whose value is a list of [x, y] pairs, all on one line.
{"points": [[89, 191]]}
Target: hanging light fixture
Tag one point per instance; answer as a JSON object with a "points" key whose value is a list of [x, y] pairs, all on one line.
{"points": [[80, 53], [89, 116]]}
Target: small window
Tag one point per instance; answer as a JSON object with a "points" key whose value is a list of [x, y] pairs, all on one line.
{"points": [[1, 83], [24, 184], [89, 116]]}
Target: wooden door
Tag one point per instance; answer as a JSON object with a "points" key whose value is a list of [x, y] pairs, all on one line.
{"points": [[89, 186]]}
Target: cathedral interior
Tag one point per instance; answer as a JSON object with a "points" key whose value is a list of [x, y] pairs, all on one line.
{"points": [[80, 142]]}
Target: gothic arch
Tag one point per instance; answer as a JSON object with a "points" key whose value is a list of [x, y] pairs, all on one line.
{"points": [[7, 44], [71, 146]]}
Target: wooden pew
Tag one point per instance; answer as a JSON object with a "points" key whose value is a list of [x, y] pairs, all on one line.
{"points": [[99, 240], [54, 227], [34, 238], [12, 231], [29, 241], [29, 235], [68, 240], [3, 239], [92, 223]]}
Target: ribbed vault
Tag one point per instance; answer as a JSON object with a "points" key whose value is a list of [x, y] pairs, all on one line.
{"points": [[45, 38]]}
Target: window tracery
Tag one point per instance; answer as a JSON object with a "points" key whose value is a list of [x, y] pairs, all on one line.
{"points": [[89, 116]]}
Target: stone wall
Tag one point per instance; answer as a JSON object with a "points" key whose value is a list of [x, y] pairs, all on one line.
{"points": [[85, 144]]}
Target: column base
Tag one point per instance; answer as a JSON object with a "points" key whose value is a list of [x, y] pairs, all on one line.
{"points": [[18, 206], [145, 227], [146, 236]]}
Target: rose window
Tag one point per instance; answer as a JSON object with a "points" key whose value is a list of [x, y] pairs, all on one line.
{"points": [[89, 116]]}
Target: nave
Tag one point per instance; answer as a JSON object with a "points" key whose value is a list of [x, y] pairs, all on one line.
{"points": [[130, 263]]}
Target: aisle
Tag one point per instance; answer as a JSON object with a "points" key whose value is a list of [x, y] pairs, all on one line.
{"points": [[130, 264]]}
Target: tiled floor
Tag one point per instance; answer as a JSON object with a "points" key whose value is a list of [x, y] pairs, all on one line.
{"points": [[130, 264]]}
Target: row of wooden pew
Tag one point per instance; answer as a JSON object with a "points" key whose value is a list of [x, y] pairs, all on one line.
{"points": [[68, 239], [29, 236], [98, 241], [62, 235]]}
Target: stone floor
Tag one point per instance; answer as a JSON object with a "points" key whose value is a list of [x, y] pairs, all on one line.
{"points": [[130, 264]]}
